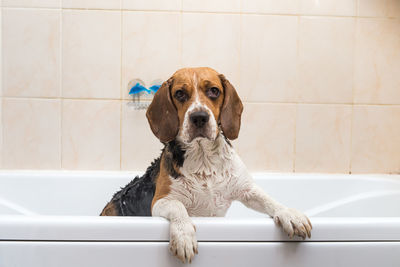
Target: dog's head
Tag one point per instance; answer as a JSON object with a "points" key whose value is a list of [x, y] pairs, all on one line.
{"points": [[192, 104]]}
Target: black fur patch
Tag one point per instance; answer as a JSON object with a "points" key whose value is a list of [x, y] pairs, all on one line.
{"points": [[173, 156], [135, 198], [178, 154]]}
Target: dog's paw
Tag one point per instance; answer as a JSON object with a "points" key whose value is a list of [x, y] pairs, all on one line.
{"points": [[293, 222], [183, 243]]}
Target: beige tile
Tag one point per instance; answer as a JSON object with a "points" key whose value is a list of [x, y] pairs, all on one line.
{"points": [[91, 54], [372, 8], [328, 7], [139, 147], [172, 5], [376, 139], [150, 47], [379, 8], [212, 40], [211, 5], [394, 8], [271, 6], [323, 138], [268, 58], [32, 3], [91, 134], [266, 138], [31, 134], [96, 4], [377, 61], [325, 65], [31, 49]]}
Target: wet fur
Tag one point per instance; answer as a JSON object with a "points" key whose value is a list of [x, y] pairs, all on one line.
{"points": [[135, 199]]}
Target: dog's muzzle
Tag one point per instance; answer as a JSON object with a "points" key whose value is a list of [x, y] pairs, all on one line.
{"points": [[199, 125], [199, 119]]}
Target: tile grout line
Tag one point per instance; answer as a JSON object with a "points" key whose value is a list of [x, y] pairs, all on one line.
{"points": [[240, 43], [181, 34], [296, 89], [207, 12], [244, 101], [120, 89], [351, 140], [295, 137], [61, 87], [356, 7], [353, 93]]}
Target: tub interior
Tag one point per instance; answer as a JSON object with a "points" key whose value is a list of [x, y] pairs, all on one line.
{"points": [[318, 195]]}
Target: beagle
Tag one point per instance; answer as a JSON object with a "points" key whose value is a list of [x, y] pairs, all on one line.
{"points": [[194, 114]]}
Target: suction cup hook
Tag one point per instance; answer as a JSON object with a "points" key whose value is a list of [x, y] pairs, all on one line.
{"points": [[139, 92]]}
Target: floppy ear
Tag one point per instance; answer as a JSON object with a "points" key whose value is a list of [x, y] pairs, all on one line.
{"points": [[162, 114], [231, 111]]}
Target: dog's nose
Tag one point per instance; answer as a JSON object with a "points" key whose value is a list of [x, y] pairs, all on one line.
{"points": [[199, 118]]}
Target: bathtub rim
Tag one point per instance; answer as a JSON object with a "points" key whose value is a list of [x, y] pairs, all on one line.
{"points": [[92, 228], [258, 174]]}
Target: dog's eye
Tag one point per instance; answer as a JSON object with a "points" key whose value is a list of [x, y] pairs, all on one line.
{"points": [[181, 95], [213, 93]]}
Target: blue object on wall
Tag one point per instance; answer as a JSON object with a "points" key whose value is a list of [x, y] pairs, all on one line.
{"points": [[155, 87], [137, 88]]}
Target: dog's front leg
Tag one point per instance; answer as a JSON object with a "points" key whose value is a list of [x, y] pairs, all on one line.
{"points": [[292, 221], [182, 243]]}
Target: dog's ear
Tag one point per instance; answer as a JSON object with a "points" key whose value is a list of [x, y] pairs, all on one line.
{"points": [[162, 114], [231, 111]]}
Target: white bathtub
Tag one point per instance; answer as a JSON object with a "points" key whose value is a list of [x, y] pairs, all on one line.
{"points": [[50, 219]]}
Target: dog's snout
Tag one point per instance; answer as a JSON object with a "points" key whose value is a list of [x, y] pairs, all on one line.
{"points": [[199, 118]]}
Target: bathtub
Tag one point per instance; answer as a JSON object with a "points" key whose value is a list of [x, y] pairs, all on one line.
{"points": [[51, 219]]}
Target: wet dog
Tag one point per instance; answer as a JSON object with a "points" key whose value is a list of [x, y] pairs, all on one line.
{"points": [[194, 114]]}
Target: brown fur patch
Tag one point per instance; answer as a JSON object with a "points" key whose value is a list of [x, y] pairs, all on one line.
{"points": [[109, 210], [162, 114], [163, 182], [231, 110]]}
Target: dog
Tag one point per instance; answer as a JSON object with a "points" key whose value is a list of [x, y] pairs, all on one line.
{"points": [[195, 114]]}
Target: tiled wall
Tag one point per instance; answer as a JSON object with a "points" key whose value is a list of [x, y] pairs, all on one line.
{"points": [[320, 79]]}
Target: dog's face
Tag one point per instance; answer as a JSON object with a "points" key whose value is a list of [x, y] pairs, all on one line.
{"points": [[198, 96], [192, 104]]}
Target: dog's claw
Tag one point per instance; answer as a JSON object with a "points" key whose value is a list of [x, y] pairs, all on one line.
{"points": [[308, 228], [183, 240], [293, 223]]}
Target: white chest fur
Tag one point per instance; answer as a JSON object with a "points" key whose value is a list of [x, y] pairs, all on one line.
{"points": [[203, 196], [209, 178]]}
